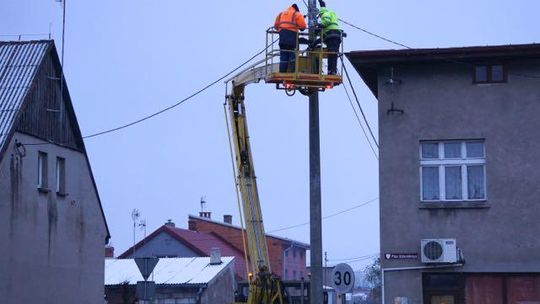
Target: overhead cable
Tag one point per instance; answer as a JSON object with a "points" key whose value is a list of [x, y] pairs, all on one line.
{"points": [[326, 217], [359, 122], [374, 34], [427, 55], [358, 102], [179, 102], [360, 258]]}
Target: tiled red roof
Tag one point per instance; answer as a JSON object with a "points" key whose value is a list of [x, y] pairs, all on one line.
{"points": [[200, 242], [204, 241]]}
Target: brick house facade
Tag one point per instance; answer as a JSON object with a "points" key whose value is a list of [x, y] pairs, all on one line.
{"points": [[287, 257]]}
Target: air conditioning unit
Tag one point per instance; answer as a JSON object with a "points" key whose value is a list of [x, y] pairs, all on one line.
{"points": [[438, 251]]}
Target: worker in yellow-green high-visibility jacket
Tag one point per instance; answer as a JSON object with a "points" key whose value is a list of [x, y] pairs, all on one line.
{"points": [[331, 35]]}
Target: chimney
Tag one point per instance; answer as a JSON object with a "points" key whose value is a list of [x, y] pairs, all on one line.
{"points": [[215, 256], [192, 225], [205, 214], [227, 219], [109, 251], [170, 223]]}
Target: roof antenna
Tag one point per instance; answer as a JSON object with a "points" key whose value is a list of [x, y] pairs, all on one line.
{"points": [[203, 202], [392, 82], [135, 215], [203, 213], [63, 40]]}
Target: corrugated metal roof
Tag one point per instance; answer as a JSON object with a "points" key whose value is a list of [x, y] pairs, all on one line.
{"points": [[171, 271], [19, 62]]}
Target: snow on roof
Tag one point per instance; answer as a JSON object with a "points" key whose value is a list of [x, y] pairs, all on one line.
{"points": [[173, 271]]}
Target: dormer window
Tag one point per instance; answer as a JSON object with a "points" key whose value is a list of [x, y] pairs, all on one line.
{"points": [[494, 73]]}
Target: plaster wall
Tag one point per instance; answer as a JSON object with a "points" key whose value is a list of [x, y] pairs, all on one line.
{"points": [[52, 245], [440, 102]]}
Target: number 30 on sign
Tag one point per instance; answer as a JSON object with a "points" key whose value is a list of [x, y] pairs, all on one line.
{"points": [[342, 278]]}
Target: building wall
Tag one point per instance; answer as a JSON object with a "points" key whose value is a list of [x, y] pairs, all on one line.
{"points": [[295, 262], [126, 294], [276, 248], [52, 246], [440, 102], [221, 288], [163, 245]]}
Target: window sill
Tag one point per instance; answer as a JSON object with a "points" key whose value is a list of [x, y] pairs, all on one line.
{"points": [[43, 190], [62, 194], [482, 83], [454, 205]]}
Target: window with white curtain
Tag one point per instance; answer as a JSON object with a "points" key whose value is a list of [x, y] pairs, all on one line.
{"points": [[453, 170]]}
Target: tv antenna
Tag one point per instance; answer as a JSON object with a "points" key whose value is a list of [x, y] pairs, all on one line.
{"points": [[203, 202], [135, 214]]}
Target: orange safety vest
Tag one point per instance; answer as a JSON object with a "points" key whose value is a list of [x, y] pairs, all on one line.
{"points": [[290, 20]]}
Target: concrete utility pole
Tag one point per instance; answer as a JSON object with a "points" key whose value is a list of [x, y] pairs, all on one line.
{"points": [[315, 227]]}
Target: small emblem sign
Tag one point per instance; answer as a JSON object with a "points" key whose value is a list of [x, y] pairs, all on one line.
{"points": [[401, 256]]}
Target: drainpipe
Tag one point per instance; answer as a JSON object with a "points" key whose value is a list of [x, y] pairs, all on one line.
{"points": [[383, 270], [199, 293], [285, 251]]}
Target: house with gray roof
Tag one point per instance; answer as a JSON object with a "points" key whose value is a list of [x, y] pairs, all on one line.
{"points": [[52, 225], [192, 280]]}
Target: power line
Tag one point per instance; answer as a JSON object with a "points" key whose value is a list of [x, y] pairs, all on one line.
{"points": [[169, 107], [360, 258], [326, 217], [181, 101], [375, 35], [303, 224], [427, 55], [358, 103], [360, 123]]}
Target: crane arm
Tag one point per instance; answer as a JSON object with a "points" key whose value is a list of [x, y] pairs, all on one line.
{"points": [[247, 182], [264, 287]]}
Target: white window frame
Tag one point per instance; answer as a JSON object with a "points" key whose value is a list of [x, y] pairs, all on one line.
{"points": [[60, 175], [42, 172], [441, 162]]}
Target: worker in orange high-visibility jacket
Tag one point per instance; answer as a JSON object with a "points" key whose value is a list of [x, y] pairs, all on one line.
{"points": [[288, 23]]}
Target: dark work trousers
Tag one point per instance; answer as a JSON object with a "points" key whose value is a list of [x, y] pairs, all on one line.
{"points": [[332, 41], [287, 54], [287, 58]]}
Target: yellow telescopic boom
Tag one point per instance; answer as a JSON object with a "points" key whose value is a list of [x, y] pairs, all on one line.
{"points": [[264, 287]]}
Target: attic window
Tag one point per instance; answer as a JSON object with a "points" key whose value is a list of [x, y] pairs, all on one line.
{"points": [[493, 73]]}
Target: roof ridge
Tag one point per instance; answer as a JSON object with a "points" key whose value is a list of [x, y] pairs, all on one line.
{"points": [[48, 41], [284, 239]]}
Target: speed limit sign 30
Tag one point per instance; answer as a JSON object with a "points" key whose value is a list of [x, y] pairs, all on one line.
{"points": [[342, 278]]}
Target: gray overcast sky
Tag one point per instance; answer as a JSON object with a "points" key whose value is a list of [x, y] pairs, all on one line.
{"points": [[125, 59]]}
